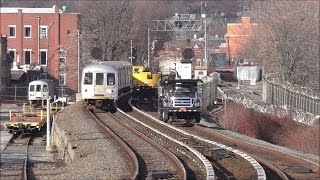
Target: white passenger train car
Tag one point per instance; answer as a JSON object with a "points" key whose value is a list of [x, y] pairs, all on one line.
{"points": [[40, 90], [104, 81]]}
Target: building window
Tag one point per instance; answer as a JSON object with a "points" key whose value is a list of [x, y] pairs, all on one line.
{"points": [[62, 60], [12, 31], [199, 62], [43, 57], [27, 31], [62, 80], [12, 56], [43, 32], [27, 56]]}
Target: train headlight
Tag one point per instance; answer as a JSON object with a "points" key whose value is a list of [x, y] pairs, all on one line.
{"points": [[110, 91]]}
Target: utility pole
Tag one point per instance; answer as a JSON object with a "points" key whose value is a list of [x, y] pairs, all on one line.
{"points": [[205, 38], [131, 51], [229, 50], [78, 38], [148, 47], [39, 40]]}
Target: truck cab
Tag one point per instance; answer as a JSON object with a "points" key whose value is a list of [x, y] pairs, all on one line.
{"points": [[179, 99]]}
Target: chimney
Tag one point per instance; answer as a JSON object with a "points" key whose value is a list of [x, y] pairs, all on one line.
{"points": [[245, 20]]}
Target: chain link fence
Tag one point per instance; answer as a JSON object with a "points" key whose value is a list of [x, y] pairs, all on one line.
{"points": [[14, 93], [281, 99]]}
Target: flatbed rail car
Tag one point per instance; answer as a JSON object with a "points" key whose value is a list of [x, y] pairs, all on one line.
{"points": [[26, 122], [144, 83]]}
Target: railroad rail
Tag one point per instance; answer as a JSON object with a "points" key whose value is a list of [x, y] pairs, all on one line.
{"points": [[276, 162], [200, 167], [14, 158], [228, 162], [132, 159], [280, 164], [154, 161]]}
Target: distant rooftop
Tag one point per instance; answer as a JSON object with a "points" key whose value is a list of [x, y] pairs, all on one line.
{"points": [[27, 10]]}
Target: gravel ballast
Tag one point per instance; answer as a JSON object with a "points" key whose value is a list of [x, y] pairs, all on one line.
{"points": [[83, 152]]}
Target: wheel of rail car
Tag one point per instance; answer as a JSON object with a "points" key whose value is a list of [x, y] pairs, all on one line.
{"points": [[165, 116]]}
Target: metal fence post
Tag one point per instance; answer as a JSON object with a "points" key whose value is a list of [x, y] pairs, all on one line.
{"points": [[15, 92]]}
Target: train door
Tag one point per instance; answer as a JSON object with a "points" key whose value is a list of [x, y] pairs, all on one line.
{"points": [[38, 93], [99, 85]]}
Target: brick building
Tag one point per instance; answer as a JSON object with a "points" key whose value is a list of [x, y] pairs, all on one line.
{"points": [[172, 53], [237, 37], [43, 43]]}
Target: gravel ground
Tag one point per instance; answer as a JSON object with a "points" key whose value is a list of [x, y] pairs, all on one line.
{"points": [[99, 157]]}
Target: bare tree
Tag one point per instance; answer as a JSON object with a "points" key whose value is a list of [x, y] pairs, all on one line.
{"points": [[287, 40], [106, 25]]}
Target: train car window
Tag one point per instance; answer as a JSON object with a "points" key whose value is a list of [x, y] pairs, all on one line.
{"points": [[45, 88], [99, 79], [111, 79], [87, 78], [31, 87], [38, 88]]}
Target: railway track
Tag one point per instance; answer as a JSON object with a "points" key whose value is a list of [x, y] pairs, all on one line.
{"points": [[277, 163], [154, 161], [14, 158], [227, 163], [132, 161]]}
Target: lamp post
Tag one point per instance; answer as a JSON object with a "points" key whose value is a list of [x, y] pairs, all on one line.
{"points": [[205, 38], [39, 39], [78, 49], [229, 50]]}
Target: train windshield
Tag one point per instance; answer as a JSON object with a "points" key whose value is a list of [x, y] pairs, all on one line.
{"points": [[181, 88], [87, 78], [111, 79], [31, 88], [45, 88], [99, 79]]}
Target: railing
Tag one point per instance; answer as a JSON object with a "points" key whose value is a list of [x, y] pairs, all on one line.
{"points": [[290, 96], [14, 93], [209, 90]]}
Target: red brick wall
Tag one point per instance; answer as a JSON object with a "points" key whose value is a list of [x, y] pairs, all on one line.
{"points": [[238, 34], [58, 25]]}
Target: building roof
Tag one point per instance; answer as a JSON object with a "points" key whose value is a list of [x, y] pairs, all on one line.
{"points": [[16, 75], [28, 10]]}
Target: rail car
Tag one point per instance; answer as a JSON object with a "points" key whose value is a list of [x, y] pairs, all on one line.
{"points": [[103, 82], [144, 83], [26, 123], [40, 90]]}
